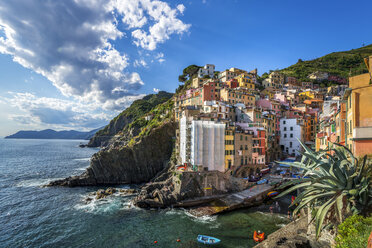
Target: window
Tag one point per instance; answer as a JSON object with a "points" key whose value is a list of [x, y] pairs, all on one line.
{"points": [[291, 135], [350, 129], [291, 128], [283, 122], [241, 137], [285, 128], [285, 135], [290, 144], [246, 147]]}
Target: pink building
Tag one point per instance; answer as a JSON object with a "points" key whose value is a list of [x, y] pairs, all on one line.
{"points": [[267, 104], [190, 92], [282, 98]]}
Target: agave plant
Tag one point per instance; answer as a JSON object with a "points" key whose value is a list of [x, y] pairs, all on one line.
{"points": [[335, 184]]}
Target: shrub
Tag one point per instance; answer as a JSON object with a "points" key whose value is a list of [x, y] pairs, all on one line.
{"points": [[354, 232]]}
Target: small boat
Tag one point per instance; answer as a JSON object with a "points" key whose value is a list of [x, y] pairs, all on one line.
{"points": [[272, 193], [258, 236], [263, 181], [208, 240]]}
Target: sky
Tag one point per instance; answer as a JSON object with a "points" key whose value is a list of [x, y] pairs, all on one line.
{"points": [[75, 64]]}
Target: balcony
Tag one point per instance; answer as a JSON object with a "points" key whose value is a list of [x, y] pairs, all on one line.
{"points": [[360, 133]]}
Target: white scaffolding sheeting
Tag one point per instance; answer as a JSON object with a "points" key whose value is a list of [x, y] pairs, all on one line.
{"points": [[207, 144]]}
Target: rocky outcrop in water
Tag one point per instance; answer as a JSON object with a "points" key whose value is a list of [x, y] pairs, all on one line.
{"points": [[129, 164], [171, 187]]}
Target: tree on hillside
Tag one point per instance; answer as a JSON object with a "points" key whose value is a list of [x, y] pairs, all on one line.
{"points": [[188, 73]]}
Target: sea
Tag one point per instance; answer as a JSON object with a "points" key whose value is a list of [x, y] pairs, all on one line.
{"points": [[35, 216]]}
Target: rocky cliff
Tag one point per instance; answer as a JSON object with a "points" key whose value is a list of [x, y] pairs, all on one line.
{"points": [[128, 123], [136, 163]]}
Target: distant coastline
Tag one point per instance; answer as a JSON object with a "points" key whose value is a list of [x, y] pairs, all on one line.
{"points": [[52, 134]]}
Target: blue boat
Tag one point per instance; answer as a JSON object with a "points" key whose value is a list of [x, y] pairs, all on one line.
{"points": [[208, 240], [262, 181]]}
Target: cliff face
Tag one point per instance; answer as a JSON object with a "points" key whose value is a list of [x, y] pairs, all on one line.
{"points": [[128, 123], [129, 164], [112, 129]]}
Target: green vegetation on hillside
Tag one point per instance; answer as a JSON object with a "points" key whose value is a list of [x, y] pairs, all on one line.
{"points": [[138, 109], [338, 63], [159, 115]]}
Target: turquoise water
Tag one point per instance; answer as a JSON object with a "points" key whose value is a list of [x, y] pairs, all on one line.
{"points": [[33, 216]]}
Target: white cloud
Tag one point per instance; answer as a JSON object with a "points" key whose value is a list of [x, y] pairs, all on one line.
{"points": [[140, 62], [71, 43], [156, 90], [160, 57], [162, 21], [54, 112], [181, 8]]}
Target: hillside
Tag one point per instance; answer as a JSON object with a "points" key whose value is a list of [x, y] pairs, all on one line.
{"points": [[52, 134], [337, 63], [128, 123]]}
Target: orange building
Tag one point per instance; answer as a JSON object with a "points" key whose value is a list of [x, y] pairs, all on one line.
{"points": [[358, 99]]}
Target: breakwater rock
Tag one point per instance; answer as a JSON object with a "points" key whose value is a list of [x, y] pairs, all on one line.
{"points": [[172, 187]]}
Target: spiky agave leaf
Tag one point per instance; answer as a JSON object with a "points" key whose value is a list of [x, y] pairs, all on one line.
{"points": [[336, 184]]}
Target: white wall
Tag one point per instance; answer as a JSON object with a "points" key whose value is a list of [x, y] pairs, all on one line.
{"points": [[208, 69], [207, 144], [183, 140], [285, 130]]}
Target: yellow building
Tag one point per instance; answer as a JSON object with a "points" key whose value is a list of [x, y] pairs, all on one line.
{"points": [[358, 99], [305, 95], [245, 81], [269, 92], [229, 147], [237, 71], [198, 82], [233, 96]]}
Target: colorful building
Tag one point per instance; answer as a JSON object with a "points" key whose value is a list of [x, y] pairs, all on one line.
{"points": [[233, 96], [243, 147], [245, 81], [229, 147], [358, 99]]}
